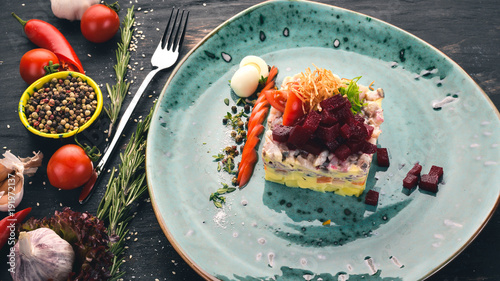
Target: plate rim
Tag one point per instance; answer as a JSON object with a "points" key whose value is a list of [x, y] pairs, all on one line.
{"points": [[161, 220]]}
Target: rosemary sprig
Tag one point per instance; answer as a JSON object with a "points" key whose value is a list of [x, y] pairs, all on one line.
{"points": [[123, 190], [118, 92]]}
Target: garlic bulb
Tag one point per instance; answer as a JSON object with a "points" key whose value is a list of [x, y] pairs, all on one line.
{"points": [[42, 255], [71, 9], [12, 172]]}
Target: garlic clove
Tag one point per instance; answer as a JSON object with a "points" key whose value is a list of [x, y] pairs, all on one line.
{"points": [[11, 192], [71, 9], [41, 254], [4, 172], [12, 171]]}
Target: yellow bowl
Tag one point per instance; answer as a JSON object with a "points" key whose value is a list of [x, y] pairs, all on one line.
{"points": [[39, 84]]}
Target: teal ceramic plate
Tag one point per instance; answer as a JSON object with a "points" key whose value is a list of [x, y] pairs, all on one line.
{"points": [[270, 232]]}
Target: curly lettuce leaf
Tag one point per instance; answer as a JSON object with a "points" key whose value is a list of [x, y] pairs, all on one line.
{"points": [[89, 238]]}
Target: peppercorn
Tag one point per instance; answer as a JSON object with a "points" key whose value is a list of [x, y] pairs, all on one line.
{"points": [[67, 103], [240, 123], [238, 138], [234, 108]]}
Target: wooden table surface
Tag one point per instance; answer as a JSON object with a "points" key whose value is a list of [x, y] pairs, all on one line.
{"points": [[467, 31]]}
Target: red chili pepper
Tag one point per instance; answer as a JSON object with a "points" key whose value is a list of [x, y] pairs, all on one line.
{"points": [[255, 128], [45, 35], [8, 224]]}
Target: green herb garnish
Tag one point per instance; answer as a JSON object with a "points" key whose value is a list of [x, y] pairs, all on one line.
{"points": [[217, 197], [122, 191], [262, 82], [352, 93], [118, 92]]}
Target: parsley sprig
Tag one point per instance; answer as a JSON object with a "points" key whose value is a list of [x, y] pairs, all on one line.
{"points": [[352, 93]]}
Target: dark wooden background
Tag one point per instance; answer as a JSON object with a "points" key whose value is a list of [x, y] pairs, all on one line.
{"points": [[467, 31]]}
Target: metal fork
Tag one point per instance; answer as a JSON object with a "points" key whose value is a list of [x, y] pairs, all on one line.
{"points": [[165, 55]]}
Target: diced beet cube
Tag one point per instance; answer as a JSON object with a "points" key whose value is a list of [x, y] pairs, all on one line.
{"points": [[371, 198], [281, 133], [429, 182], [359, 118], [368, 148], [312, 120], [299, 135], [313, 146], [417, 168], [333, 103], [436, 170], [343, 114], [355, 145], [382, 157], [358, 131], [369, 130], [327, 134], [345, 131], [342, 152], [300, 121], [410, 181], [290, 146], [327, 118], [332, 145]]}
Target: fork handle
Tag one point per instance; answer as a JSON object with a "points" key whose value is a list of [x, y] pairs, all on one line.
{"points": [[108, 150], [124, 120]]}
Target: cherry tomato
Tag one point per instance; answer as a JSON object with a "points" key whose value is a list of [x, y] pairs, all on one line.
{"points": [[37, 63], [277, 98], [99, 23], [293, 109], [69, 167]]}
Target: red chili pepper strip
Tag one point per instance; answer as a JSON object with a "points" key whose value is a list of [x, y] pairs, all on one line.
{"points": [[272, 74], [255, 128], [47, 36], [261, 99], [245, 170], [258, 119], [8, 225], [249, 148], [258, 107]]}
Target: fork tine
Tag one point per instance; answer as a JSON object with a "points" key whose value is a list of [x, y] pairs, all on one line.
{"points": [[170, 42], [181, 39], [166, 35], [175, 41]]}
